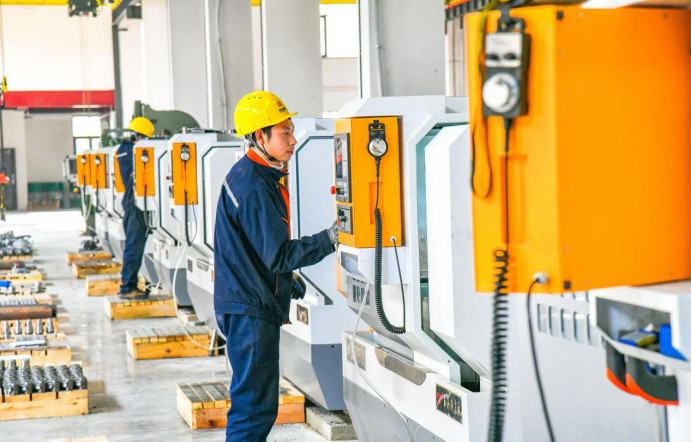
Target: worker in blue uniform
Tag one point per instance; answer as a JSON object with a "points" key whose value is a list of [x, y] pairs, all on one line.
{"points": [[133, 220], [254, 260]]}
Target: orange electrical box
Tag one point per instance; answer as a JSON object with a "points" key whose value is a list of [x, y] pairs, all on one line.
{"points": [[98, 171], [119, 184], [599, 169], [356, 183], [84, 169], [184, 173], [144, 171]]}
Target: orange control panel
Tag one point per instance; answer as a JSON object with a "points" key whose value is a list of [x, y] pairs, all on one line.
{"points": [[599, 178], [84, 169], [144, 171], [99, 170], [356, 180], [117, 178], [184, 159]]}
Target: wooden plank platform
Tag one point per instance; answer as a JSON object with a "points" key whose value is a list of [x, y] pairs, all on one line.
{"points": [[57, 351], [83, 269], [168, 342], [206, 405], [102, 285], [40, 405], [98, 255], [22, 278], [156, 306], [17, 258]]}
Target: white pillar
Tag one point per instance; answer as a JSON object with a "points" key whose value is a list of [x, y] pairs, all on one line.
{"points": [[410, 56], [188, 57], [235, 21], [195, 58], [291, 54]]}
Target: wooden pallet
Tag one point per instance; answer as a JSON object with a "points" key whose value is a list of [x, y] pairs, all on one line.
{"points": [[22, 278], [206, 405], [23, 325], [101, 285], [17, 258], [56, 351], [156, 306], [83, 269], [168, 342], [98, 255]]}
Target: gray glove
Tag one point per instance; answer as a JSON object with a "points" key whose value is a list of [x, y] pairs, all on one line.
{"points": [[333, 233]]}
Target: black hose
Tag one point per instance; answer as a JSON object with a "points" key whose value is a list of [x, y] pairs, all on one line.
{"points": [[500, 316], [377, 269]]}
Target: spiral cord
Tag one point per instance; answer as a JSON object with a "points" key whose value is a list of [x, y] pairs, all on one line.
{"points": [[500, 315], [500, 331]]}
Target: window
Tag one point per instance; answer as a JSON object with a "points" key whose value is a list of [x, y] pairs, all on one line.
{"points": [[86, 132]]}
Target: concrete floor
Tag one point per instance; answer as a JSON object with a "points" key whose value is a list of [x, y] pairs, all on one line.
{"points": [[128, 400]]}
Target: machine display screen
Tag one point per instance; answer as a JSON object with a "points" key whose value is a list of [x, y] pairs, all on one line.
{"points": [[342, 167], [339, 141]]}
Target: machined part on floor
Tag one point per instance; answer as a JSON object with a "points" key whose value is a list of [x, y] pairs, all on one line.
{"points": [[39, 326], [49, 326], [17, 327], [29, 327]]}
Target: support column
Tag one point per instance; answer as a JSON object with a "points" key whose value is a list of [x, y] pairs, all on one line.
{"points": [[188, 57], [291, 54], [196, 58], [401, 48], [230, 60]]}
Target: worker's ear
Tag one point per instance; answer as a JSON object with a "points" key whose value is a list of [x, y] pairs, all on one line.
{"points": [[260, 137]]}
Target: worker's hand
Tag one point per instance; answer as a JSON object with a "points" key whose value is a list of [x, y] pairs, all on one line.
{"points": [[333, 233], [298, 289]]}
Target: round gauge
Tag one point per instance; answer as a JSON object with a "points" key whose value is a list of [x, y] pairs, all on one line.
{"points": [[97, 160], [377, 147], [145, 157], [185, 155], [83, 159]]}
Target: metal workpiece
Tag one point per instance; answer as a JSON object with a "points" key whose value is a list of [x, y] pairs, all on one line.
{"points": [[29, 327], [38, 380], [17, 327], [11, 245], [38, 287], [39, 326], [65, 378], [90, 245], [80, 382], [6, 330], [50, 375], [49, 326]]}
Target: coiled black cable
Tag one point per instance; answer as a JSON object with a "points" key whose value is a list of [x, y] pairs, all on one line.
{"points": [[500, 315], [377, 269], [187, 225]]}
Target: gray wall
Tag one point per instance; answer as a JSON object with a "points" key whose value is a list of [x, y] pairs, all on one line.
{"points": [[48, 141], [14, 130]]}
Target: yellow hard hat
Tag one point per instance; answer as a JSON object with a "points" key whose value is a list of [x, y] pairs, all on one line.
{"points": [[258, 110], [142, 125]]}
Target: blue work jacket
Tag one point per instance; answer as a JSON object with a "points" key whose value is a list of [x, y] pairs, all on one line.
{"points": [[254, 256], [126, 164]]}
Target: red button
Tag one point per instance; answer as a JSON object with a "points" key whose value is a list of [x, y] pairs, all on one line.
{"points": [[333, 190]]}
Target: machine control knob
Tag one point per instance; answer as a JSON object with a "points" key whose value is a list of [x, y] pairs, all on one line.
{"points": [[500, 92]]}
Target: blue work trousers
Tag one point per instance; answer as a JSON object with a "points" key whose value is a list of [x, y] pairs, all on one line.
{"points": [[252, 346], [135, 240]]}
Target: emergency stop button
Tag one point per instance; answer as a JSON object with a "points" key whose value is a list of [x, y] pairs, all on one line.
{"points": [[335, 190]]}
